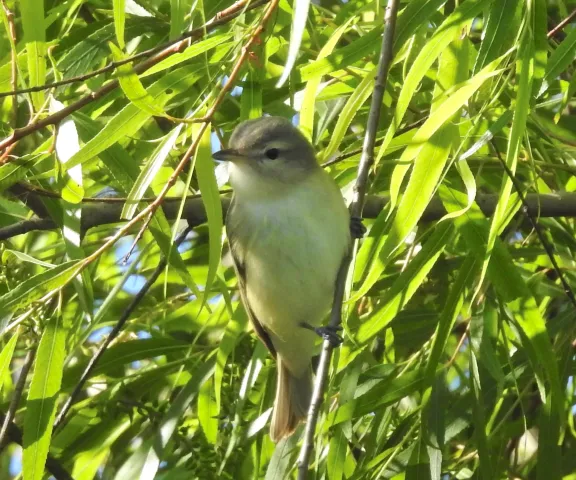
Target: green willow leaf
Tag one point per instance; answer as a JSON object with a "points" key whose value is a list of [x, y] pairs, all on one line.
{"points": [[281, 462], [521, 111], [194, 50], [131, 118], [148, 172], [34, 26], [503, 22], [123, 354], [560, 59], [550, 458], [299, 18], [145, 460], [512, 289], [14, 256], [119, 21], [359, 96], [310, 92], [6, 358], [430, 147], [341, 58], [161, 230], [389, 391], [252, 96], [177, 13], [132, 86], [416, 14], [460, 19], [208, 411], [231, 336], [407, 283], [337, 454], [540, 28], [36, 287], [210, 193], [462, 283], [42, 397]]}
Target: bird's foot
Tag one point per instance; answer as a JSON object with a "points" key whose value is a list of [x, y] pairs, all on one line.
{"points": [[328, 332], [357, 228]]}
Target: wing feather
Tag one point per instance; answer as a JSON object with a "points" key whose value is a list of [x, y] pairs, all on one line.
{"points": [[240, 269]]}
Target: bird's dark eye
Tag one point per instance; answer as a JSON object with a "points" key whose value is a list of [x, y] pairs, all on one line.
{"points": [[272, 153]]}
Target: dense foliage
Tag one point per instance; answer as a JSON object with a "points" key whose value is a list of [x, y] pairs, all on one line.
{"points": [[458, 358]]}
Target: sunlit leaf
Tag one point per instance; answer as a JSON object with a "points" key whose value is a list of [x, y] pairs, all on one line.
{"points": [[42, 397]]}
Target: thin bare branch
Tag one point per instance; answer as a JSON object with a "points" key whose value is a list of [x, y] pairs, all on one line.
{"points": [[23, 189], [561, 204], [562, 24], [532, 217], [16, 395], [360, 189], [60, 419], [13, 62], [207, 119], [219, 19], [222, 17]]}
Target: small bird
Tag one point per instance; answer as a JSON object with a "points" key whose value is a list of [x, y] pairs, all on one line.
{"points": [[289, 230]]}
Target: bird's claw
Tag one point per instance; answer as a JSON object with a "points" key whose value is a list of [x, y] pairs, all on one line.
{"points": [[357, 228], [328, 332]]}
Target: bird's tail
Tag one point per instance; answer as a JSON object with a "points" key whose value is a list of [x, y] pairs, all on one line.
{"points": [[293, 396]]}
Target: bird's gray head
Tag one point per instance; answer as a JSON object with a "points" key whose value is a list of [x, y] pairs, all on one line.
{"points": [[267, 149]]}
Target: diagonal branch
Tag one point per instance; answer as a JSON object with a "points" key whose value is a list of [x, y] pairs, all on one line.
{"points": [[207, 119], [360, 188], [60, 419], [220, 18], [536, 226], [562, 24], [194, 35], [149, 211], [16, 396]]}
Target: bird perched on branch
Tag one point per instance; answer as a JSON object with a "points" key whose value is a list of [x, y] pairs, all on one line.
{"points": [[289, 230]]}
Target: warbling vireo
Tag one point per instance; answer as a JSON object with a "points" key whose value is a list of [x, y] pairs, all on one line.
{"points": [[289, 230]]}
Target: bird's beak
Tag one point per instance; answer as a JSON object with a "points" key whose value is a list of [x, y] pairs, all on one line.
{"points": [[227, 155]]}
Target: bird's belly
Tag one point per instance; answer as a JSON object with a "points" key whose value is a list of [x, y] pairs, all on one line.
{"points": [[291, 268], [285, 288]]}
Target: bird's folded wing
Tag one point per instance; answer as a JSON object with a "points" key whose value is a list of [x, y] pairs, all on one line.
{"points": [[241, 274]]}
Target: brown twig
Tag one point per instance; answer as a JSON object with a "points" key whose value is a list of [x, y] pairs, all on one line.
{"points": [[15, 401], [221, 17], [59, 422], [5, 157], [42, 192], [562, 24], [207, 119], [360, 188], [459, 345], [194, 35]]}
